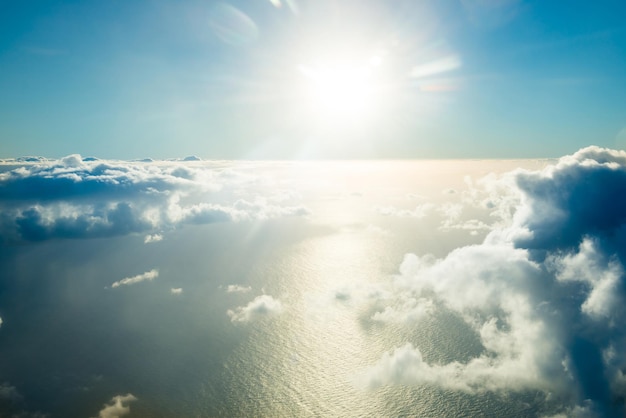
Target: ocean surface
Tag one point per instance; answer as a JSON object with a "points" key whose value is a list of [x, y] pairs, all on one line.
{"points": [[70, 341]]}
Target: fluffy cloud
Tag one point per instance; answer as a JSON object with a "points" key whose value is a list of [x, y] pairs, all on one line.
{"points": [[117, 406], [76, 198], [176, 291], [261, 306], [406, 365], [495, 289], [148, 275], [544, 294]]}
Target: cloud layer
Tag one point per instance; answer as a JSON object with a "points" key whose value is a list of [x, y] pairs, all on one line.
{"points": [[544, 294], [76, 198]]}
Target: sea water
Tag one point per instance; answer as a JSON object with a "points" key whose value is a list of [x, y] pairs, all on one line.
{"points": [[69, 342]]}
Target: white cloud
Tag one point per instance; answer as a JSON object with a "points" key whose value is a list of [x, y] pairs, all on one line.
{"points": [[84, 198], [235, 288], [148, 275], [602, 277], [469, 225], [152, 238], [261, 306], [176, 290], [117, 406], [405, 365], [545, 293], [587, 410], [494, 193], [410, 309], [494, 289]]}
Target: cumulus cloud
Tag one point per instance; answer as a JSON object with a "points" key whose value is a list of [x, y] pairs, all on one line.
{"points": [[176, 290], [84, 198], [582, 195], [544, 293], [405, 365], [235, 288], [261, 306], [148, 275], [117, 406]]}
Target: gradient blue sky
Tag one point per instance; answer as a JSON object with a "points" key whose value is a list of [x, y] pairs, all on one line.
{"points": [[462, 78]]}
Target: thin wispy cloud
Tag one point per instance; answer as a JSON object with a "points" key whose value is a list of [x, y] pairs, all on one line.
{"points": [[235, 288], [148, 275]]}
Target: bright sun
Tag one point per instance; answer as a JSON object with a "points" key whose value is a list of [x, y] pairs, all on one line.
{"points": [[337, 89]]}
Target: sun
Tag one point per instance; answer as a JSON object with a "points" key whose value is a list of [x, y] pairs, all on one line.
{"points": [[340, 89]]}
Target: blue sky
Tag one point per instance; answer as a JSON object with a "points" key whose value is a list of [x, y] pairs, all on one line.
{"points": [[259, 79]]}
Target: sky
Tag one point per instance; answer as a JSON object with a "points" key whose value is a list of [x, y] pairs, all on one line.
{"points": [[286, 207], [298, 79]]}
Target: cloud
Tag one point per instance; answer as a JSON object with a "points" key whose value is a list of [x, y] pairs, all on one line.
{"points": [[176, 290], [411, 309], [600, 275], [451, 215], [235, 288], [85, 198], [152, 238], [149, 275], [117, 406], [261, 306], [582, 195], [464, 209], [545, 293], [405, 365]]}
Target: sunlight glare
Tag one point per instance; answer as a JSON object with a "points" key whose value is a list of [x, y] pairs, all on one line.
{"points": [[341, 89]]}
